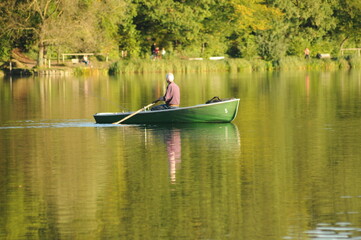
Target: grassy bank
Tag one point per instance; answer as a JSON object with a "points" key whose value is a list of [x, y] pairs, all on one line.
{"points": [[179, 65], [232, 65]]}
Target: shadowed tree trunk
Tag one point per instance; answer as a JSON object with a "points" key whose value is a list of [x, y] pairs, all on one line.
{"points": [[41, 54], [343, 42]]}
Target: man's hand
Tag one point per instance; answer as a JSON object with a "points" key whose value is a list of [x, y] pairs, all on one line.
{"points": [[159, 99]]}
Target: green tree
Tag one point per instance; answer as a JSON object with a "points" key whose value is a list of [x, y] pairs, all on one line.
{"points": [[97, 25], [251, 21], [80, 25], [305, 23], [217, 25], [129, 36], [43, 21], [167, 22], [349, 21]]}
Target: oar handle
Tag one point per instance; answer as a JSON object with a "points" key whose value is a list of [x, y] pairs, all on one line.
{"points": [[131, 115]]}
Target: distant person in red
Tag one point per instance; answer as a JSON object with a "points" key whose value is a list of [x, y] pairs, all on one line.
{"points": [[307, 53], [171, 96], [156, 52]]}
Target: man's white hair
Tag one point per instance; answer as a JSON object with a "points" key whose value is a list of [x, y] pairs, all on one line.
{"points": [[169, 77]]}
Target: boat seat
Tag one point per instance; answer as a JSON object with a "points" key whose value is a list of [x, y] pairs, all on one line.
{"points": [[217, 99]]}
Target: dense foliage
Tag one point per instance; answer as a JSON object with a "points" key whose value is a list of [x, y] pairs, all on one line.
{"points": [[268, 29]]}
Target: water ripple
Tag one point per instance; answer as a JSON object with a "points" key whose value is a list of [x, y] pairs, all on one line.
{"points": [[53, 123]]}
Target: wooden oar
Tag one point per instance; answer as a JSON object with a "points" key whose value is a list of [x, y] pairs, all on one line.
{"points": [[131, 115]]}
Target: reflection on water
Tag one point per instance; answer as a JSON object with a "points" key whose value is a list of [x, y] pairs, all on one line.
{"points": [[174, 149], [342, 226], [339, 231], [225, 135]]}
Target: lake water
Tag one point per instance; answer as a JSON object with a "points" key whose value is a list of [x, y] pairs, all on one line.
{"points": [[288, 167]]}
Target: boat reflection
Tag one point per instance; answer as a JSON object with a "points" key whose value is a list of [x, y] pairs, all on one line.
{"points": [[216, 136]]}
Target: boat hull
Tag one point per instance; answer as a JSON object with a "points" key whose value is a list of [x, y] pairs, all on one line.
{"points": [[218, 112]]}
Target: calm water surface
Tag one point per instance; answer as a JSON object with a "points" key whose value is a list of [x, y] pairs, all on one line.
{"points": [[288, 167]]}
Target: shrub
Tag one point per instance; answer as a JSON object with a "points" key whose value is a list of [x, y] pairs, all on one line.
{"points": [[343, 63], [238, 65], [355, 62]]}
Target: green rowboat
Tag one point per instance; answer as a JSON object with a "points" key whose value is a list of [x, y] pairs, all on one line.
{"points": [[216, 112]]}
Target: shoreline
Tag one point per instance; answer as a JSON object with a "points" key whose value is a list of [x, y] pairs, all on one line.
{"points": [[182, 65]]}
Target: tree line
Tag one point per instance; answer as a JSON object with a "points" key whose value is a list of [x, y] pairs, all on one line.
{"points": [[267, 29]]}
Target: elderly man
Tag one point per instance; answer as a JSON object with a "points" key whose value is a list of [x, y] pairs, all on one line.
{"points": [[171, 96]]}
